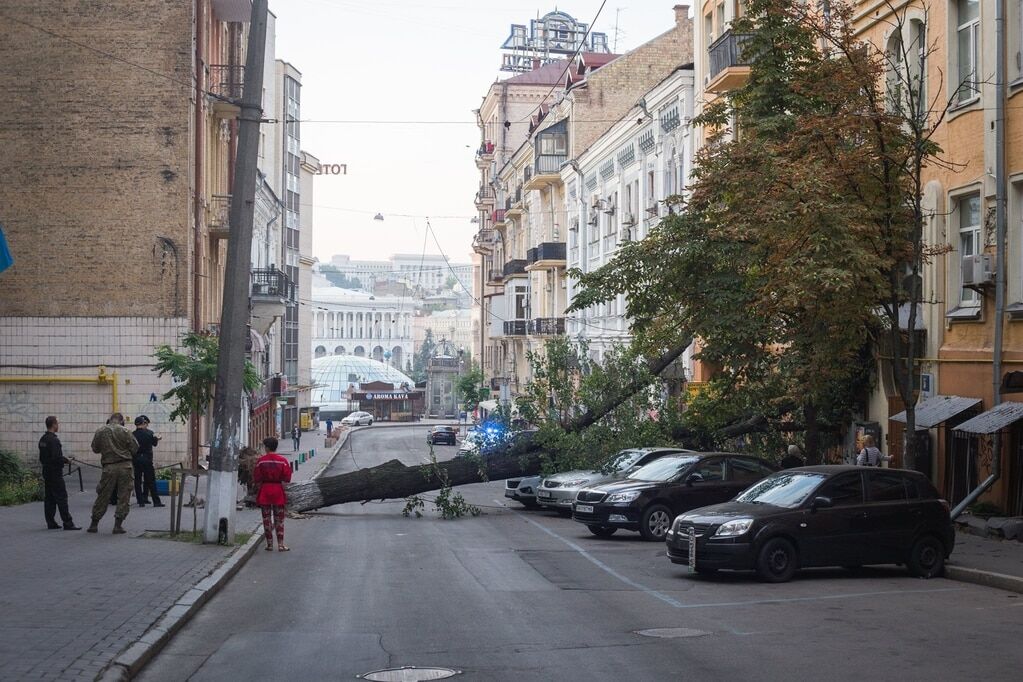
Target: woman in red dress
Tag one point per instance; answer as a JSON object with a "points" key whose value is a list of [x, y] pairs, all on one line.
{"points": [[270, 474]]}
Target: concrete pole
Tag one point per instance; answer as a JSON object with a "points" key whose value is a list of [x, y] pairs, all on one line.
{"points": [[226, 440]]}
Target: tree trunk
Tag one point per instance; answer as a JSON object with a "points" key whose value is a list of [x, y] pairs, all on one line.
{"points": [[394, 480]]}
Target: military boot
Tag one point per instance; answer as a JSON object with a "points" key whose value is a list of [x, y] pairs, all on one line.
{"points": [[93, 527], [118, 529]]}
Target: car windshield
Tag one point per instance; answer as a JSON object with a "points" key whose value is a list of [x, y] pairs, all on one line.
{"points": [[621, 461], [784, 489], [662, 469]]}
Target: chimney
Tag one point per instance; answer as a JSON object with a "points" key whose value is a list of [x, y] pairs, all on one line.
{"points": [[681, 14]]}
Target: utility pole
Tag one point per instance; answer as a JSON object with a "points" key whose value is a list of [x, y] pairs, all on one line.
{"points": [[222, 481]]}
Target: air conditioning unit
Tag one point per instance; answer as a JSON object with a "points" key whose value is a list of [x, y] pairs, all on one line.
{"points": [[628, 219], [598, 205], [653, 209], [594, 219], [609, 208], [977, 270]]}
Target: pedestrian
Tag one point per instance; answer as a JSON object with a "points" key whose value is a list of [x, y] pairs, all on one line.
{"points": [[270, 474], [117, 448], [330, 428], [296, 438], [870, 456], [52, 459], [145, 473], [793, 458]]}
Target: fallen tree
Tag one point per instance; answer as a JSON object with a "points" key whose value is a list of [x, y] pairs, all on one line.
{"points": [[394, 480]]}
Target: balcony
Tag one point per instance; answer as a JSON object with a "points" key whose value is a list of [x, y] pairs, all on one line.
{"points": [[495, 276], [485, 197], [497, 216], [485, 154], [515, 267], [484, 240], [218, 219], [727, 68], [546, 326], [515, 327], [272, 293], [225, 88], [514, 204], [547, 171], [546, 255]]}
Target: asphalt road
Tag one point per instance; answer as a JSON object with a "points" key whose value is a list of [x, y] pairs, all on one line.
{"points": [[514, 595]]}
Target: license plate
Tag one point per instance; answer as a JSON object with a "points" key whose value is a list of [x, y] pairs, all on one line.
{"points": [[691, 538], [544, 496], [584, 508]]}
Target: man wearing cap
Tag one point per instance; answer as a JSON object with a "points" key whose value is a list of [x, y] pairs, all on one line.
{"points": [[117, 447], [145, 474]]}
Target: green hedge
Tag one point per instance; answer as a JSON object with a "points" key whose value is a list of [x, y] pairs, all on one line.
{"points": [[18, 484]]}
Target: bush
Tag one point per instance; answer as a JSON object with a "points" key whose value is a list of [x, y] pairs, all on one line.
{"points": [[18, 484]]}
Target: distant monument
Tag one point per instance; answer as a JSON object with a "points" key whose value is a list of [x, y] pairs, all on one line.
{"points": [[556, 35]]}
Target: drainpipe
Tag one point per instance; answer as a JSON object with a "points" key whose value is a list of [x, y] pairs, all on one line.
{"points": [[1000, 230], [197, 199]]}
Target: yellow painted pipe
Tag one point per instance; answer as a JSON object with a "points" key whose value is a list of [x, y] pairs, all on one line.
{"points": [[101, 378]]}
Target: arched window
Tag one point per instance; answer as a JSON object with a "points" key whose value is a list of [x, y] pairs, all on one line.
{"points": [[359, 352], [894, 74], [340, 350], [320, 351]]}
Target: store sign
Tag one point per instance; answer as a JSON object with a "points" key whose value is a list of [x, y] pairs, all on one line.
{"points": [[386, 396]]}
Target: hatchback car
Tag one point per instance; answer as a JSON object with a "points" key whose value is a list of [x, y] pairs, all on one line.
{"points": [[647, 499], [358, 419], [559, 491], [820, 516], [441, 434]]}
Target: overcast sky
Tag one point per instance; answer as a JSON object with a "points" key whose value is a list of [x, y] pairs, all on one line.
{"points": [[404, 60]]}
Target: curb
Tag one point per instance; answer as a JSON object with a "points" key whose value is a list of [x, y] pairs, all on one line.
{"points": [[132, 660], [999, 581]]}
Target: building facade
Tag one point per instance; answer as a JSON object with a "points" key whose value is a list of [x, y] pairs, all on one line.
{"points": [[451, 331], [423, 273]]}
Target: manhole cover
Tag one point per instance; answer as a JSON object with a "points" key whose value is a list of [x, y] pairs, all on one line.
{"points": [[672, 633], [409, 674]]}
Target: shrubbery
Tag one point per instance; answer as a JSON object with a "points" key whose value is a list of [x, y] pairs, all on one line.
{"points": [[18, 484]]}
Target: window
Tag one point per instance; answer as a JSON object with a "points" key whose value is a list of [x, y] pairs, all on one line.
{"points": [[893, 74], [967, 49], [746, 470], [917, 55], [886, 487], [845, 490], [521, 303], [710, 471], [554, 144], [969, 240]]}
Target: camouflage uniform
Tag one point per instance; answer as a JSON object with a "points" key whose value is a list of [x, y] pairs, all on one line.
{"points": [[117, 447]]}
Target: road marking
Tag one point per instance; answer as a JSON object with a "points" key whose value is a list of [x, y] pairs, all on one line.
{"points": [[604, 567]]}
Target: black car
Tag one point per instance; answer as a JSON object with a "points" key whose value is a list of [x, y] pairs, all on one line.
{"points": [[820, 516], [441, 434], [648, 498]]}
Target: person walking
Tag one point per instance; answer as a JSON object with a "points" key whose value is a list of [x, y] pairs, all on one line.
{"points": [[52, 459], [270, 474], [145, 473], [117, 448], [330, 427], [793, 458], [870, 455], [296, 438]]}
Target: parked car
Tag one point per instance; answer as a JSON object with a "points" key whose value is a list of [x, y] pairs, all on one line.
{"points": [[441, 434], [648, 499], [522, 490], [820, 516], [358, 419], [487, 442], [559, 491]]}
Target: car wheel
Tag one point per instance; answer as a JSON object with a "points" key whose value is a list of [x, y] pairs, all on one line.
{"points": [[655, 522], [369, 422], [926, 558], [776, 562], [602, 531]]}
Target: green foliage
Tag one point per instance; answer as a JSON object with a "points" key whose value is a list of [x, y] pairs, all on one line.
{"points": [[414, 504], [470, 388], [421, 359], [18, 484], [195, 374], [450, 504]]}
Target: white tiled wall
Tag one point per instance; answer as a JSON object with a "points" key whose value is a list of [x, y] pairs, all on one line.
{"points": [[76, 347]]}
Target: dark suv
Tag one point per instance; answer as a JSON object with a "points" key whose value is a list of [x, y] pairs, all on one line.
{"points": [[648, 498], [441, 434], [820, 516]]}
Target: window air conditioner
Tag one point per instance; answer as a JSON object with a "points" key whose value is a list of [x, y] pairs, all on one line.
{"points": [[977, 270], [594, 219], [609, 208], [628, 219]]}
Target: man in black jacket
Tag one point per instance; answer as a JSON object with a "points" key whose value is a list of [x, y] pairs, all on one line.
{"points": [[51, 456], [145, 474]]}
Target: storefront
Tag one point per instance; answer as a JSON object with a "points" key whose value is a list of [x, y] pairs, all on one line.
{"points": [[386, 403]]}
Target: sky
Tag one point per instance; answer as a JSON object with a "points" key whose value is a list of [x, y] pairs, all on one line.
{"points": [[374, 61]]}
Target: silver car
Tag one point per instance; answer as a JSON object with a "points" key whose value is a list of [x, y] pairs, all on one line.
{"points": [[559, 491]]}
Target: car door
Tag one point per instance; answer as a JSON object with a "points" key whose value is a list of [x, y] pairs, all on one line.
{"points": [[890, 520], [742, 472], [707, 487], [833, 535]]}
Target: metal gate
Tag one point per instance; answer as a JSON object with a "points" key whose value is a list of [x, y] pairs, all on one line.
{"points": [[960, 466]]}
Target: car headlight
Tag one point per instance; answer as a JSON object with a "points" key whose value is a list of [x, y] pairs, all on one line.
{"points": [[732, 528], [627, 496]]}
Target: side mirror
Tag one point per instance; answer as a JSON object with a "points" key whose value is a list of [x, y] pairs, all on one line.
{"points": [[821, 502], [693, 478]]}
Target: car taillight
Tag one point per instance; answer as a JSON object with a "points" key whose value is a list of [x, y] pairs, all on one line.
{"points": [[945, 504]]}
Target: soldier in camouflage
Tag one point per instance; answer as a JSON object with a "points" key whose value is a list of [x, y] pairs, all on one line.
{"points": [[117, 447]]}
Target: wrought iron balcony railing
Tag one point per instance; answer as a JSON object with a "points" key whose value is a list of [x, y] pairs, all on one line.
{"points": [[725, 52], [547, 326], [226, 80]]}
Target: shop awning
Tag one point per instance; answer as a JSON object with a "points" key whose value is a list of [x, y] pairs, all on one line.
{"points": [[995, 419], [488, 405], [933, 411]]}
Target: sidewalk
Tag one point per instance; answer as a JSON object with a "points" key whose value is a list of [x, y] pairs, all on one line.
{"points": [[72, 602], [987, 561]]}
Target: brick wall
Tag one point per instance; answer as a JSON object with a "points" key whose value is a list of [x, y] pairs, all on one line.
{"points": [[94, 197], [616, 87]]}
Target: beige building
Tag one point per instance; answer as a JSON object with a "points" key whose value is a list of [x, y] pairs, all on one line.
{"points": [[452, 330]]}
